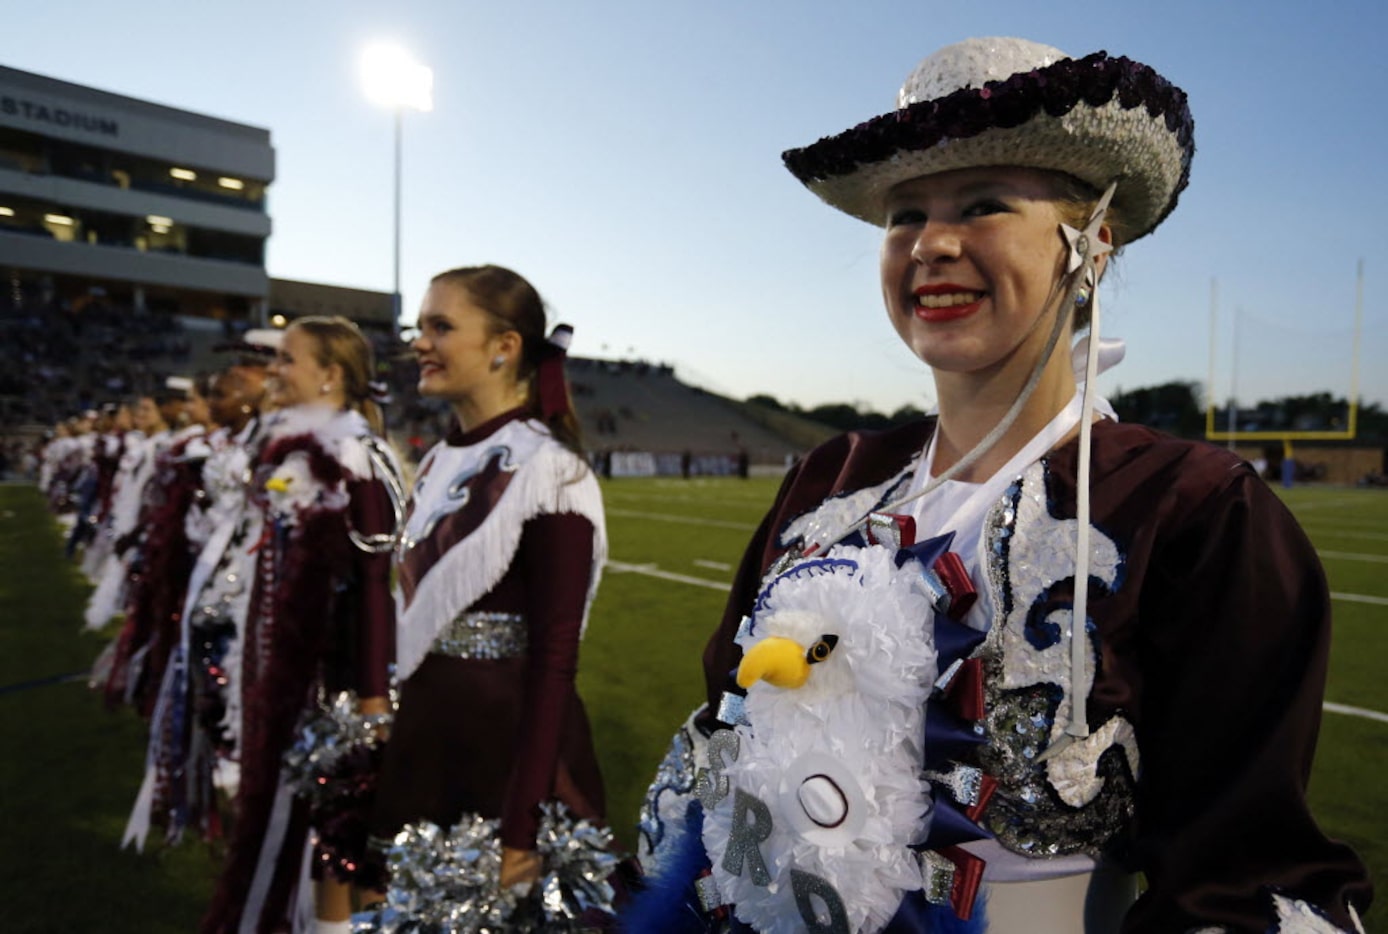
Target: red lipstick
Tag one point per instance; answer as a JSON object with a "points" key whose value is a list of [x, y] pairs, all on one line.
{"points": [[946, 301]]}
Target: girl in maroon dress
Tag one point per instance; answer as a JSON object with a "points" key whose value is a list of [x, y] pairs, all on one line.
{"points": [[318, 640], [915, 717], [491, 755]]}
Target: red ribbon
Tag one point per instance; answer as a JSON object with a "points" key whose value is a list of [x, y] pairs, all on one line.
{"points": [[553, 388], [891, 529], [968, 874], [963, 594], [267, 532], [965, 691], [986, 786]]}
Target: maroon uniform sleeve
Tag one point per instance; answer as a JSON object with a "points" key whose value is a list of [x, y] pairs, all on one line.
{"points": [[555, 558], [371, 514], [1235, 637]]}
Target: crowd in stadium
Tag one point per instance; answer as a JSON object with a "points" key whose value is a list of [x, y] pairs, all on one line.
{"points": [[63, 362], [58, 359]]}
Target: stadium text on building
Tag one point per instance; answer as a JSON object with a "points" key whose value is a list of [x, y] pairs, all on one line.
{"points": [[60, 116], [150, 207]]}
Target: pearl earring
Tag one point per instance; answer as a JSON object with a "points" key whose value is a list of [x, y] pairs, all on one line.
{"points": [[498, 361], [325, 389]]}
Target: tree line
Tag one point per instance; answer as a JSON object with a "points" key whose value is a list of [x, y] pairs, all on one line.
{"points": [[1176, 407]]}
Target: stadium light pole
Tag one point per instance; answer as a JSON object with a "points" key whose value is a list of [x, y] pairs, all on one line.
{"points": [[392, 78]]}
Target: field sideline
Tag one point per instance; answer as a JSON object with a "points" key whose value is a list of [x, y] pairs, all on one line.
{"points": [[71, 768]]}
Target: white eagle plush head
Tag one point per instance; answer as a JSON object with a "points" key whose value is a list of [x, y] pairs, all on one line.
{"points": [[838, 662], [791, 643]]}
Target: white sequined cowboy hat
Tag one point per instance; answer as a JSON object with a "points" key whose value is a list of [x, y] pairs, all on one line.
{"points": [[1001, 101]]}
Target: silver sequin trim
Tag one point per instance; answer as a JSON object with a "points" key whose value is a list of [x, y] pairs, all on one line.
{"points": [[483, 636], [732, 709], [964, 783], [937, 877], [836, 517], [1029, 814], [674, 776], [709, 897]]}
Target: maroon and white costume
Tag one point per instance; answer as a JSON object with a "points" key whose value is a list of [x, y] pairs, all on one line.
{"points": [[320, 622], [1209, 631], [159, 572], [500, 558], [1107, 657], [196, 722], [116, 545]]}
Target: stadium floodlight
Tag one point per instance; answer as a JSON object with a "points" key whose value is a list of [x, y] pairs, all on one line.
{"points": [[392, 78]]}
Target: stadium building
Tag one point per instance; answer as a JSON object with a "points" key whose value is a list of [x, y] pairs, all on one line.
{"points": [[151, 207], [132, 243]]}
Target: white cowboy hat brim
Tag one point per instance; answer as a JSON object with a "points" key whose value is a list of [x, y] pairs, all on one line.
{"points": [[1100, 119]]}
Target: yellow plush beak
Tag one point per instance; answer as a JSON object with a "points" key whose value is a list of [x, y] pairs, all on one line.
{"points": [[776, 661], [278, 484]]}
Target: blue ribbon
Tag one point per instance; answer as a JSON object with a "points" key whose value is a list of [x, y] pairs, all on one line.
{"points": [[949, 827], [954, 640], [926, 552]]}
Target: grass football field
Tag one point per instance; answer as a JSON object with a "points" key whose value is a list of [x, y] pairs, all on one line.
{"points": [[70, 769]]}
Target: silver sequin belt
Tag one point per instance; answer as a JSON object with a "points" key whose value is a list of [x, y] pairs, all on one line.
{"points": [[483, 636]]}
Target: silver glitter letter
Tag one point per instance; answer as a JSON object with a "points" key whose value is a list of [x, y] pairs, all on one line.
{"points": [[808, 887], [744, 837], [711, 785]]}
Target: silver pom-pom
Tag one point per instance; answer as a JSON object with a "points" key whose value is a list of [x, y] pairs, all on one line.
{"points": [[327, 741], [443, 882], [577, 860], [448, 882]]}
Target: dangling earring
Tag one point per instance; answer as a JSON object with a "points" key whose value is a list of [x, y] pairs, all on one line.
{"points": [[498, 361], [1081, 298]]}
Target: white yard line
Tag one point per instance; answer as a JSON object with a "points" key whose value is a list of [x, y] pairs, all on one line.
{"points": [[1356, 712], [685, 496], [1353, 556], [1338, 533], [713, 565], [1359, 598], [650, 570], [1328, 504], [687, 520]]}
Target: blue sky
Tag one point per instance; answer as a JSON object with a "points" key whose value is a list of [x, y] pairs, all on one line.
{"points": [[625, 156]]}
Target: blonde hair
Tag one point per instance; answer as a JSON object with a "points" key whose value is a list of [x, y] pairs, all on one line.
{"points": [[338, 340]]}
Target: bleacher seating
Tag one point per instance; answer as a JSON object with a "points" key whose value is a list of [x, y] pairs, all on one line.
{"points": [[61, 361], [637, 406]]}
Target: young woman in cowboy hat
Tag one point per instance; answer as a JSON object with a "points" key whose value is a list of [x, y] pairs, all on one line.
{"points": [[906, 727]]}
